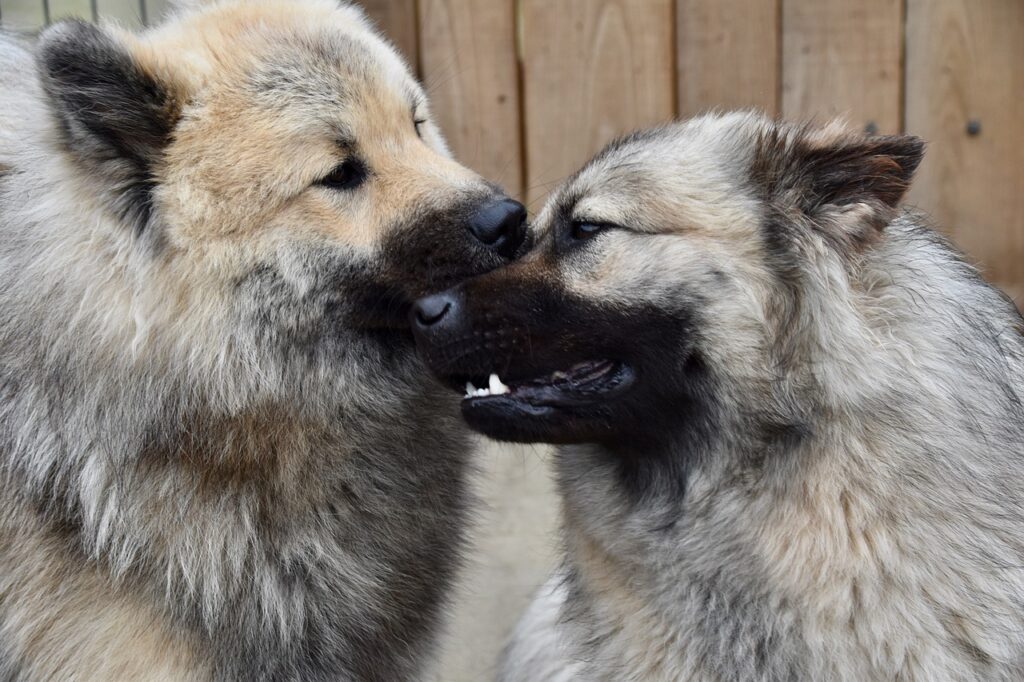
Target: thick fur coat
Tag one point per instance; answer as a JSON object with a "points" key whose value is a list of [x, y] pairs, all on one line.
{"points": [[220, 457], [790, 414]]}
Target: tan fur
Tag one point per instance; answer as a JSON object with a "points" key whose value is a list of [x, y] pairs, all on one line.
{"points": [[66, 624], [219, 455], [236, 140]]}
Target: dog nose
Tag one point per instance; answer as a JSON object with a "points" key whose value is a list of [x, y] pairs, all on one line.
{"points": [[500, 225], [431, 311]]}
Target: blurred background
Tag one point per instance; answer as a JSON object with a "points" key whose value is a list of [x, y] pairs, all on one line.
{"points": [[526, 90]]}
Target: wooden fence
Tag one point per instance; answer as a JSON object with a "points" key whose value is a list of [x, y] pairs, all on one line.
{"points": [[526, 90]]}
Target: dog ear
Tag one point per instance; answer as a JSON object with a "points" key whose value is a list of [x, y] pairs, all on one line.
{"points": [[114, 116], [848, 184], [860, 169]]}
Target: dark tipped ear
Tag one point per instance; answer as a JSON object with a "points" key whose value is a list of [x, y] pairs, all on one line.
{"points": [[861, 169], [114, 116], [849, 185]]}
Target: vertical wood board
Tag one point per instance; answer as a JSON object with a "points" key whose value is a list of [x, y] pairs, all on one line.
{"points": [[843, 58], [727, 55], [965, 95], [592, 69], [468, 60]]}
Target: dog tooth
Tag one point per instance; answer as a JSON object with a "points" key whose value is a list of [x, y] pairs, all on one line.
{"points": [[470, 389], [496, 386]]}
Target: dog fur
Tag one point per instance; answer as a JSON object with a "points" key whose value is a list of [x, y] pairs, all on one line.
{"points": [[220, 455], [815, 473]]}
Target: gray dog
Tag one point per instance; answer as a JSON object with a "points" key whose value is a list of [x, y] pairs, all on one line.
{"points": [[220, 457], [790, 415]]}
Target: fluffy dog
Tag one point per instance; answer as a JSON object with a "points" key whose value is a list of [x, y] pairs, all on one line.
{"points": [[220, 455], [790, 415]]}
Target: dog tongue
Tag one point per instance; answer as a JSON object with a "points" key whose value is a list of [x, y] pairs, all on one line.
{"points": [[573, 386], [587, 371], [580, 373]]}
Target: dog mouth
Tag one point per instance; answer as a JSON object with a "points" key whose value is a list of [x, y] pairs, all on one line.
{"points": [[581, 385]]}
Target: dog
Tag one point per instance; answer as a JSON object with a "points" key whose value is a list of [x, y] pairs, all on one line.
{"points": [[789, 414], [221, 456]]}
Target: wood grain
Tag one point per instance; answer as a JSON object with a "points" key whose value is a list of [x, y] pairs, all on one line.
{"points": [[843, 58], [727, 55], [468, 59], [126, 12], [592, 69], [397, 20], [156, 10], [64, 9], [22, 15], [965, 62]]}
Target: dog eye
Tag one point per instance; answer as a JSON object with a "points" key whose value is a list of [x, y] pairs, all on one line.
{"points": [[347, 175], [419, 123], [581, 229]]}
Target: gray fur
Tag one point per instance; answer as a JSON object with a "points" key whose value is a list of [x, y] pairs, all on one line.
{"points": [[206, 472], [858, 513]]}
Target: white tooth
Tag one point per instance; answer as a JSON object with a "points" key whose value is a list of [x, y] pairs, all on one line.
{"points": [[470, 389], [495, 385]]}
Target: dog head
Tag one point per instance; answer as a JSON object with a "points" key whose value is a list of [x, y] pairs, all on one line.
{"points": [[663, 281], [276, 169]]}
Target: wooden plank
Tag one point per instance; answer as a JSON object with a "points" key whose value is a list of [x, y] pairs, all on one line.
{"points": [[65, 9], [22, 15], [127, 13], [843, 58], [965, 63], [727, 54], [592, 69], [468, 58], [156, 11], [397, 20]]}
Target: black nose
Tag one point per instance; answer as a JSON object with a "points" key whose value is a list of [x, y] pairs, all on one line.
{"points": [[432, 310], [500, 225]]}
